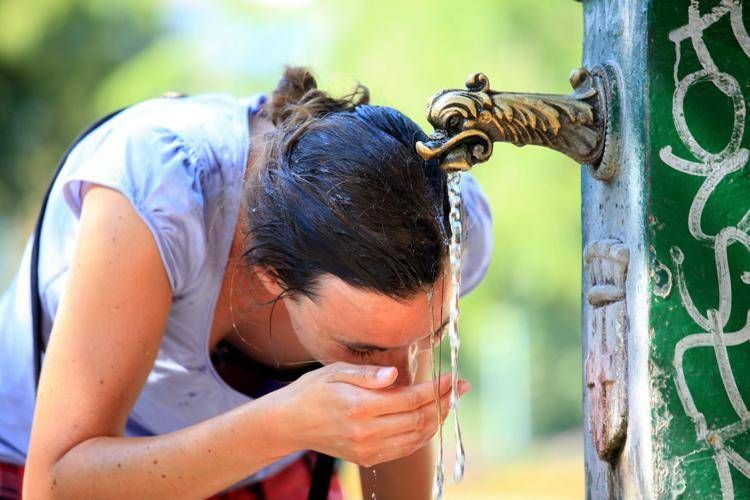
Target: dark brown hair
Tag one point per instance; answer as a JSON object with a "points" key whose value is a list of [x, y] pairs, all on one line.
{"points": [[341, 190]]}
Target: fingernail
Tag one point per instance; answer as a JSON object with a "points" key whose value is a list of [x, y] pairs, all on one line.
{"points": [[464, 387], [385, 373]]}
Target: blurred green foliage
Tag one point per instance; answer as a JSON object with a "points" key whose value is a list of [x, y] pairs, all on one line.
{"points": [[63, 63], [53, 56]]}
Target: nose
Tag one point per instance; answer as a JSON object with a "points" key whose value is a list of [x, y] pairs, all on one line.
{"points": [[405, 360], [406, 373]]}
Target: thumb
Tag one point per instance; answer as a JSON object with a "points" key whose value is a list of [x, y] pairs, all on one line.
{"points": [[367, 376]]}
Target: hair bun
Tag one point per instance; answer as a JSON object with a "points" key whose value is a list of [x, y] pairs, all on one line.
{"points": [[297, 99]]}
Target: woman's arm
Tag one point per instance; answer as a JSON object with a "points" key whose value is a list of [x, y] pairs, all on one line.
{"points": [[105, 338]]}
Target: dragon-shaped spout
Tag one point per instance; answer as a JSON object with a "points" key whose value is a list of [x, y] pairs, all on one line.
{"points": [[468, 122]]}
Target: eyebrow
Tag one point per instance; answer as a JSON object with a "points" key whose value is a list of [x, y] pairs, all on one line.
{"points": [[361, 346]]}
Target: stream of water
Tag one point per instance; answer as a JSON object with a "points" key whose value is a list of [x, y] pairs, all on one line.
{"points": [[454, 254]]}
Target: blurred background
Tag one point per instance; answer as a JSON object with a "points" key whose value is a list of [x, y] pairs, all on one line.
{"points": [[64, 63]]}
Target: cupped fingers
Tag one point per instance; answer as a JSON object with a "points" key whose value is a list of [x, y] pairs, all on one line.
{"points": [[392, 448], [403, 399], [422, 421], [398, 446], [401, 434]]}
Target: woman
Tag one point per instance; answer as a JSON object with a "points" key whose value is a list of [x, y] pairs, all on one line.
{"points": [[196, 253]]}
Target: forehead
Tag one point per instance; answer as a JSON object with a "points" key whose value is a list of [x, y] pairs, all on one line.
{"points": [[357, 315]]}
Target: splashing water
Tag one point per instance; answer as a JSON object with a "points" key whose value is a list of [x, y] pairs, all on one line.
{"points": [[454, 253], [454, 196], [437, 489], [374, 483]]}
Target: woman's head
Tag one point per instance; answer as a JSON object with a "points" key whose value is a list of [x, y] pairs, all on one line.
{"points": [[341, 199]]}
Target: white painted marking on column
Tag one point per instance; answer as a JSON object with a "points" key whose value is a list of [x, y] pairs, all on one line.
{"points": [[715, 167]]}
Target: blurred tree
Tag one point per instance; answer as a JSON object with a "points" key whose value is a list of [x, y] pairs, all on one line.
{"points": [[53, 56]]}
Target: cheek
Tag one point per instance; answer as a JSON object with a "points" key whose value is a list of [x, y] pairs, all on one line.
{"points": [[314, 342]]}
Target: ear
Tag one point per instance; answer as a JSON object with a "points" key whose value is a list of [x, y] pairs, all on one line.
{"points": [[269, 280]]}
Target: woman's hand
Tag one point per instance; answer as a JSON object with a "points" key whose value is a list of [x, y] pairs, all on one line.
{"points": [[349, 411]]}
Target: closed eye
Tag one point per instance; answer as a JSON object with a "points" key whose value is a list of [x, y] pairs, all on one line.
{"points": [[363, 351], [360, 353]]}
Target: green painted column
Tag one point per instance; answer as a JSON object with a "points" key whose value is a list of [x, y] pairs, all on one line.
{"points": [[667, 384], [699, 85]]}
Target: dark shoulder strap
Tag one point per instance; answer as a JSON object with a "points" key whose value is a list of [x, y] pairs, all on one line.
{"points": [[36, 301], [321, 477]]}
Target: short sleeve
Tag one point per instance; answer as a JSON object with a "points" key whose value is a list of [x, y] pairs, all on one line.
{"points": [[477, 251], [161, 177]]}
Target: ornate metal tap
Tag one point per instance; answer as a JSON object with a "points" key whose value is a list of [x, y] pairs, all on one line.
{"points": [[582, 125]]}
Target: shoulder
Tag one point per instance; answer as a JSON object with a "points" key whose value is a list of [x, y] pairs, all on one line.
{"points": [[170, 158], [213, 127]]}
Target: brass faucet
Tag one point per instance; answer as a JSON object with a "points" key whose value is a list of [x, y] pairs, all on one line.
{"points": [[582, 125]]}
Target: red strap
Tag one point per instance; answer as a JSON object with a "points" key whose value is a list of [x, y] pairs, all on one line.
{"points": [[291, 483], [11, 481]]}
